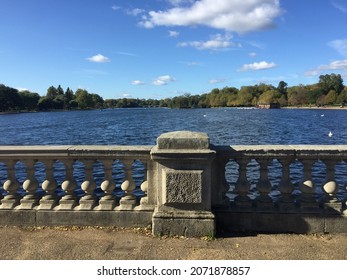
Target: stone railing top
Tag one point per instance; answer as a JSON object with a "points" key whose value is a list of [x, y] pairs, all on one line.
{"points": [[65, 151], [183, 140], [279, 151]]}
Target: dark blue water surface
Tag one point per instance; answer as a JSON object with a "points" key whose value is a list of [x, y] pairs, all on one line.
{"points": [[225, 126]]}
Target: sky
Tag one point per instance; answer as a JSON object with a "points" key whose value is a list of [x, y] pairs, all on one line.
{"points": [[165, 48]]}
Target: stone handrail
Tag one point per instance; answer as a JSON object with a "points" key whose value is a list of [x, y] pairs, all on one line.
{"points": [[306, 155], [185, 186], [69, 155]]}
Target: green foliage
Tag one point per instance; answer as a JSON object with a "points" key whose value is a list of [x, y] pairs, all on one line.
{"points": [[331, 82], [9, 99], [282, 87], [329, 90]]}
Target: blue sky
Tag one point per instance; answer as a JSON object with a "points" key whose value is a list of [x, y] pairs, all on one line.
{"points": [[164, 48]]}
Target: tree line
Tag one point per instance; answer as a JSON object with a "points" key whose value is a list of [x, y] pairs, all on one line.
{"points": [[55, 99], [329, 91]]}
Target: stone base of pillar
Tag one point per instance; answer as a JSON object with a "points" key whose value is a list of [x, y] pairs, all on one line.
{"points": [[47, 204], [333, 207], [67, 202], [10, 202], [28, 202], [127, 203], [86, 203], [106, 203], [188, 224]]}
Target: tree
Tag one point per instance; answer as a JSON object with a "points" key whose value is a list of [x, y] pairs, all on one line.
{"points": [[45, 103], [282, 87], [297, 95], [98, 101], [244, 97], [331, 82], [29, 100], [331, 97], [342, 97], [9, 99], [84, 99], [51, 93], [68, 98], [268, 97]]}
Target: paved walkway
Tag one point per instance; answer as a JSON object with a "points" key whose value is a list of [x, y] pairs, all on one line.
{"points": [[138, 244]]}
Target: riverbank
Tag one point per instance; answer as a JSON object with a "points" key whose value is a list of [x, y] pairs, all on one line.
{"points": [[95, 243], [316, 107]]}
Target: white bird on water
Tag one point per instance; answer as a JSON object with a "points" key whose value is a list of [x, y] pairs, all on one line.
{"points": [[330, 134]]}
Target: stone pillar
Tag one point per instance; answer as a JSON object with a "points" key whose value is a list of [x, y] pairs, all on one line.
{"points": [[184, 163]]}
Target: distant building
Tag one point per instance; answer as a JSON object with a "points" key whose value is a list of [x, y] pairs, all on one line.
{"points": [[272, 105]]}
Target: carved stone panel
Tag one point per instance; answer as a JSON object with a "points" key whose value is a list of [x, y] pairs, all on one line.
{"points": [[183, 187]]}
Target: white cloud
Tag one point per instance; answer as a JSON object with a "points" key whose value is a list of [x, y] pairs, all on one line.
{"points": [[216, 81], [237, 16], [22, 89], [99, 58], [252, 54], [340, 46], [334, 65], [180, 2], [135, 12], [115, 8], [257, 66], [193, 63], [216, 42], [173, 34], [126, 53], [340, 7], [163, 80], [137, 83]]}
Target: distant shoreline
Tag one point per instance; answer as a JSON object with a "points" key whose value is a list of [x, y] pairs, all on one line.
{"points": [[287, 107], [316, 107]]}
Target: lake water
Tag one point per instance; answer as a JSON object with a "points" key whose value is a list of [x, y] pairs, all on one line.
{"points": [[225, 126]]}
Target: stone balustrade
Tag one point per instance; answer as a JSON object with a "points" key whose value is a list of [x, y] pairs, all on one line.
{"points": [[303, 195], [182, 186]]}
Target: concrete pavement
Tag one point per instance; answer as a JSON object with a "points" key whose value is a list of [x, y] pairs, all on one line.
{"points": [[94, 243]]}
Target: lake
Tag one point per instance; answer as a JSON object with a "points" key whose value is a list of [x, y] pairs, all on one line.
{"points": [[225, 126], [142, 126]]}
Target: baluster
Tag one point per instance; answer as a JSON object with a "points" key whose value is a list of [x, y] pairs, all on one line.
{"points": [[11, 185], [242, 186], [330, 188], [145, 202], [144, 187], [219, 197], [108, 201], [308, 188], [148, 186], [88, 201], [49, 185], [264, 201], [30, 185], [128, 201], [286, 202], [69, 200]]}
